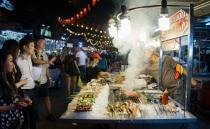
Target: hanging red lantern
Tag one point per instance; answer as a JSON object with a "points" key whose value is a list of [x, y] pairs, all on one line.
{"points": [[94, 2], [68, 20], [89, 7], [77, 16], [81, 13], [84, 11], [59, 19], [65, 21], [72, 19]]}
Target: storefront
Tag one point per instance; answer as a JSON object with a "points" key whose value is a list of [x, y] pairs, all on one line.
{"points": [[9, 34]]}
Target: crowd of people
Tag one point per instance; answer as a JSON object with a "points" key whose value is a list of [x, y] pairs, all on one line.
{"points": [[20, 91], [25, 78], [78, 66]]}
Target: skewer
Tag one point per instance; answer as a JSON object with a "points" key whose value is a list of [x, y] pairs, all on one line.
{"points": [[155, 109], [166, 112], [140, 100], [160, 109]]}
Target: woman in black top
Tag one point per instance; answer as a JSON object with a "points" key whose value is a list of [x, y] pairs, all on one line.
{"points": [[72, 72]]}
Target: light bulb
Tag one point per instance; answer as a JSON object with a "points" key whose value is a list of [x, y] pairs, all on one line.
{"points": [[125, 28], [163, 23]]}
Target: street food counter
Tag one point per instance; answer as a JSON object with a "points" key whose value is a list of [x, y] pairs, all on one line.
{"points": [[102, 101]]}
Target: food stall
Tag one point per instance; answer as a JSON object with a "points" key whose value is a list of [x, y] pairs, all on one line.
{"points": [[102, 100]]}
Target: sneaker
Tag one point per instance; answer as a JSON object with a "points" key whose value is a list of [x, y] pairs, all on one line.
{"points": [[51, 118]]}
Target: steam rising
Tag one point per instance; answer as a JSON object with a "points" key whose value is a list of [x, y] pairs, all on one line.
{"points": [[143, 24]]}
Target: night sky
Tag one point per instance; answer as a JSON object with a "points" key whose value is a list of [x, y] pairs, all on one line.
{"points": [[37, 12]]}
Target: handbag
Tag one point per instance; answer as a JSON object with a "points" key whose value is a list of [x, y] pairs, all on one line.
{"points": [[79, 82]]}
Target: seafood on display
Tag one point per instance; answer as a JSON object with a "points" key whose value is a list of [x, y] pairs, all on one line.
{"points": [[127, 109]]}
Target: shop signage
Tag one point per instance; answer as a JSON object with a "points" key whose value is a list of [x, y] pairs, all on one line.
{"points": [[7, 5], [179, 26]]}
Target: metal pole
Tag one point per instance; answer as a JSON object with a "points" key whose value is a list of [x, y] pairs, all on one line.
{"points": [[199, 59], [180, 49], [190, 60], [160, 66], [156, 6]]}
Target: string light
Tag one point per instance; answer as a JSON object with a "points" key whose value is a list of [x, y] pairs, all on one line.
{"points": [[100, 43], [90, 28]]}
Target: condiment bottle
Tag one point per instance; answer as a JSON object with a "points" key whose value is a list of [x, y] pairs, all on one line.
{"points": [[165, 97]]}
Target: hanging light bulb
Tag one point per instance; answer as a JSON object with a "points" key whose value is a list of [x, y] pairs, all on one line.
{"points": [[125, 27], [164, 23]]}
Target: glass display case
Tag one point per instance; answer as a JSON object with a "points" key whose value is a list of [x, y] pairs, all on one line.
{"points": [[201, 57]]}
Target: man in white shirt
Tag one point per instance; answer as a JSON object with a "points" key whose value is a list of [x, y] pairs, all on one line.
{"points": [[81, 62], [28, 90], [40, 59]]}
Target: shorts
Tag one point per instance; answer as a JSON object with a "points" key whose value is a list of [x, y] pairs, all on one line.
{"points": [[43, 90]]}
